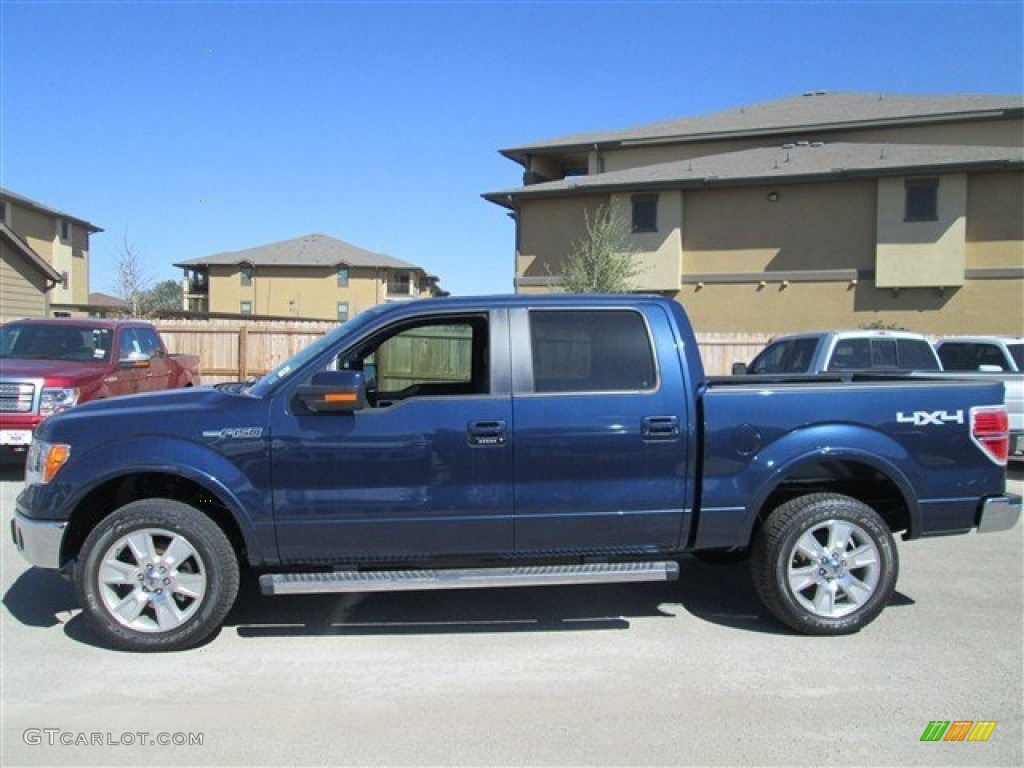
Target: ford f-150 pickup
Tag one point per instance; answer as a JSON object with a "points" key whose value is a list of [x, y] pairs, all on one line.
{"points": [[48, 365], [505, 442]]}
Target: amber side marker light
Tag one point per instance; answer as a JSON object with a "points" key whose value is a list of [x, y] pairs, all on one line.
{"points": [[340, 397]]}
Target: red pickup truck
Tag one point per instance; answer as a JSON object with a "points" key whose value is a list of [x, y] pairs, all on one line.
{"points": [[48, 365]]}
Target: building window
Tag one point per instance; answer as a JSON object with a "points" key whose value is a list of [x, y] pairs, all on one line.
{"points": [[342, 311], [645, 213], [246, 308], [5, 210], [399, 284], [65, 230], [343, 277], [922, 200], [246, 273]]}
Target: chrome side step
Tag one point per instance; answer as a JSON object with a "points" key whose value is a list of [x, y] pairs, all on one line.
{"points": [[465, 578]]}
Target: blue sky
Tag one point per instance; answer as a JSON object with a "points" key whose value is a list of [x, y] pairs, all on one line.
{"points": [[199, 127]]}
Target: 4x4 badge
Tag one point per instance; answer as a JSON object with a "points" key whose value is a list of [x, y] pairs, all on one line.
{"points": [[926, 418]]}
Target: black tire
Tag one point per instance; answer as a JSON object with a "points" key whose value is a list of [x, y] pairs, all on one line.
{"points": [[824, 564], [156, 575], [722, 556]]}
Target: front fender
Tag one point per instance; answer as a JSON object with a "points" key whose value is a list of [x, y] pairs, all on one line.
{"points": [[237, 474]]}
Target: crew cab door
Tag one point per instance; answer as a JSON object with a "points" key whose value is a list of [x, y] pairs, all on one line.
{"points": [[424, 470], [602, 431]]}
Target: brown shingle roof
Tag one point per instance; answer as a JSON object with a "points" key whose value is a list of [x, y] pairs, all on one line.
{"points": [[309, 251], [818, 110], [790, 162]]}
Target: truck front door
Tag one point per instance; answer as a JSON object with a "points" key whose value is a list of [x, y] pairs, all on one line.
{"points": [[425, 470]]}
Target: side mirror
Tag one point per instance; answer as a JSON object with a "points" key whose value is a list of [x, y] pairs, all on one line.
{"points": [[134, 360], [739, 369], [333, 392]]}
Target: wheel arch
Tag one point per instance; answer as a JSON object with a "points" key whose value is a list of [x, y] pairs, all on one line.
{"points": [[118, 491], [870, 476], [172, 469]]}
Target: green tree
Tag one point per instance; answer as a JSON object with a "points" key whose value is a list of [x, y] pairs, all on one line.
{"points": [[166, 295], [602, 260]]}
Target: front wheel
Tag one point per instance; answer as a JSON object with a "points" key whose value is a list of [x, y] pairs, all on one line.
{"points": [[156, 575], [825, 564]]}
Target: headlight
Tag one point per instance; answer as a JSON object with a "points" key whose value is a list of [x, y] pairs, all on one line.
{"points": [[44, 461], [57, 399]]}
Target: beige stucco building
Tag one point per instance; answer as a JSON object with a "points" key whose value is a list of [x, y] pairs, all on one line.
{"points": [[311, 277], [818, 211], [44, 257]]}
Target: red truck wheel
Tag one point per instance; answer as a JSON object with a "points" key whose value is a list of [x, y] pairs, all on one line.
{"points": [[156, 575], [825, 564]]}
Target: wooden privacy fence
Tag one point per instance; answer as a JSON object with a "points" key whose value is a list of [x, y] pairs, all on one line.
{"points": [[233, 351], [230, 350]]}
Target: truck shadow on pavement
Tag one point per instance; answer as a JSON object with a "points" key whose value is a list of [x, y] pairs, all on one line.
{"points": [[719, 594]]}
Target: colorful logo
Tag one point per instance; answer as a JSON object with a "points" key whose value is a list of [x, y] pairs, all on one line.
{"points": [[958, 730]]}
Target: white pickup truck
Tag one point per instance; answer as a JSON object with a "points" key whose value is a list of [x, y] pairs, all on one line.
{"points": [[992, 357]]}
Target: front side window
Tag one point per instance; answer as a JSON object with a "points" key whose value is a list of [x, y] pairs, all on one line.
{"points": [[922, 200], [150, 342], [591, 351], [786, 356], [437, 357], [645, 213]]}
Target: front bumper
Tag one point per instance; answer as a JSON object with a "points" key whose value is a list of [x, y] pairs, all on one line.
{"points": [[1000, 513], [38, 541]]}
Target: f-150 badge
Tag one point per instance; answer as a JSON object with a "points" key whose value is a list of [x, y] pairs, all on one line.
{"points": [[236, 433], [929, 418]]}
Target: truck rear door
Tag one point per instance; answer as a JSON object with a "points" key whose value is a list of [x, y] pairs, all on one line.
{"points": [[601, 431]]}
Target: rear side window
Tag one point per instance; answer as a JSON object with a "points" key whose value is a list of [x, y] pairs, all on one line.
{"points": [[789, 356], [591, 351]]}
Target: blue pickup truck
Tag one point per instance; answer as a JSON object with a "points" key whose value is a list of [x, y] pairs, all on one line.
{"points": [[505, 442]]}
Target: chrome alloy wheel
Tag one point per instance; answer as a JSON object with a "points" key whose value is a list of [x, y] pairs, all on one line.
{"points": [[834, 568], [152, 580]]}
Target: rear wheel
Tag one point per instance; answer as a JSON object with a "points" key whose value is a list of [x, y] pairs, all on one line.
{"points": [[156, 575], [825, 564]]}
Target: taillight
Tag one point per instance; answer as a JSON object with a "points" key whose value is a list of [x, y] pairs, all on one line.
{"points": [[990, 431]]}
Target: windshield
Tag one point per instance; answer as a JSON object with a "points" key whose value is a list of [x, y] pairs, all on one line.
{"points": [[29, 341], [281, 372]]}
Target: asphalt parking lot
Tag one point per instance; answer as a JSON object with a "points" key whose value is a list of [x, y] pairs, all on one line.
{"points": [[676, 674]]}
